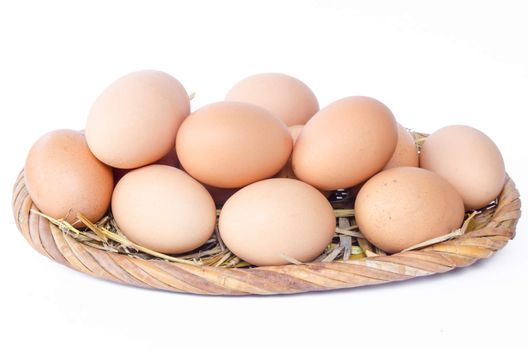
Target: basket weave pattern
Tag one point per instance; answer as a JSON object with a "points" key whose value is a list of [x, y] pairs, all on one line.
{"points": [[494, 229]]}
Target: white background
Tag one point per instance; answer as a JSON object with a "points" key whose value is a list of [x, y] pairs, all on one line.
{"points": [[432, 63]]}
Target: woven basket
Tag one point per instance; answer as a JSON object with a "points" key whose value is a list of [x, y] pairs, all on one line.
{"points": [[494, 227]]}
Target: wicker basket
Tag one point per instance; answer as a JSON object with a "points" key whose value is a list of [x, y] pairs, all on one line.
{"points": [[493, 228]]}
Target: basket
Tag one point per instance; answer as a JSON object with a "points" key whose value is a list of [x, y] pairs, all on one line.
{"points": [[492, 228]]}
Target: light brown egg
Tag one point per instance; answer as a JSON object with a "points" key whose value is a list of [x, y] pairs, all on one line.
{"points": [[276, 218], [232, 144], [404, 206], [469, 160], [345, 143], [64, 178], [286, 97], [162, 208], [135, 120], [406, 153]]}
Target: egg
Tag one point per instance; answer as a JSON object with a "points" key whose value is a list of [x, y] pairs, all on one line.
{"points": [[272, 220], [135, 120], [286, 97], [469, 160], [64, 178], [404, 206], [345, 143], [162, 208], [406, 153], [232, 144]]}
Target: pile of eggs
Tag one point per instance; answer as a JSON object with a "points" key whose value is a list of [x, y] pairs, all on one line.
{"points": [[269, 157]]}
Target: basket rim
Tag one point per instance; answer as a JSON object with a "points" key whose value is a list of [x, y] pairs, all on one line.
{"points": [[461, 251]]}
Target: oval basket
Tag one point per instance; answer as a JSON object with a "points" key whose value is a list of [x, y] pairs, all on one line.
{"points": [[491, 231]]}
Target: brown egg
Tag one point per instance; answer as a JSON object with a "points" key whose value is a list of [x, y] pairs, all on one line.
{"points": [[406, 153], [232, 144], [286, 97], [276, 218], [162, 208], [469, 160], [135, 120], [64, 178], [404, 206], [345, 143]]}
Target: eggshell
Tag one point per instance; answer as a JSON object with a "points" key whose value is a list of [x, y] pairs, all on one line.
{"points": [[404, 206], [345, 143], [273, 218], [286, 97], [162, 208], [64, 178], [469, 160], [406, 153], [232, 144], [135, 120]]}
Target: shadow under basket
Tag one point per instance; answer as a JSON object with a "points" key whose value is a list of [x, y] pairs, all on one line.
{"points": [[491, 230]]}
